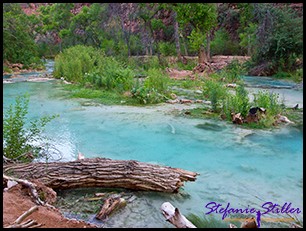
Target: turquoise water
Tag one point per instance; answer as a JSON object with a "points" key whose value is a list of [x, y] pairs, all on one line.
{"points": [[239, 166], [268, 82]]}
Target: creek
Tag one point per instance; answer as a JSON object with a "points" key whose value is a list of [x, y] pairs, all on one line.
{"points": [[242, 166]]}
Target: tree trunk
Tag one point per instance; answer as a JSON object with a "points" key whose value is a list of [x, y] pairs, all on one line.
{"points": [[208, 45], [185, 47], [202, 58], [147, 50], [176, 37], [151, 48], [249, 45], [103, 172]]}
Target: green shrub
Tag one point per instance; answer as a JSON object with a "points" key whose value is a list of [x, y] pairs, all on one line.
{"points": [[167, 48], [153, 89], [7, 69], [281, 75], [17, 137], [297, 76], [233, 71], [84, 64], [269, 101], [223, 45], [151, 62], [238, 103], [215, 91], [157, 80], [146, 95], [74, 62]]}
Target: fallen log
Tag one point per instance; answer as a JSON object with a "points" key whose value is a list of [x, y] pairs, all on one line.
{"points": [[104, 172]]}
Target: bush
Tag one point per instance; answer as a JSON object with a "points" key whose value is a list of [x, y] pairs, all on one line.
{"points": [[146, 95], [74, 62], [153, 89], [269, 101], [216, 92], [223, 45], [84, 64], [157, 80], [297, 75], [233, 71], [238, 103], [17, 139], [167, 48], [151, 62]]}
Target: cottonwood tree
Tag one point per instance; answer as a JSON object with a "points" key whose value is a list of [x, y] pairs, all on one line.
{"points": [[203, 18]]}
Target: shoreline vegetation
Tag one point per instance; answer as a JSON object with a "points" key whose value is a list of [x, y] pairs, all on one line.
{"points": [[219, 92], [151, 84]]}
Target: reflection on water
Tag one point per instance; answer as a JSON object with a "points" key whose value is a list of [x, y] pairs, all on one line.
{"points": [[236, 165]]}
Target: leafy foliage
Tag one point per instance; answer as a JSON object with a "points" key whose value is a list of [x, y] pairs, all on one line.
{"points": [[19, 139], [223, 45], [85, 64], [233, 71], [216, 92], [237, 103], [153, 89], [18, 36], [280, 35], [269, 100]]}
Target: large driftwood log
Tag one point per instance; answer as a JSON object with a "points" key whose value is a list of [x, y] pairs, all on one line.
{"points": [[103, 172]]}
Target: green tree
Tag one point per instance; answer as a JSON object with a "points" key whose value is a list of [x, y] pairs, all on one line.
{"points": [[86, 26], [56, 19], [203, 18], [279, 36], [18, 36]]}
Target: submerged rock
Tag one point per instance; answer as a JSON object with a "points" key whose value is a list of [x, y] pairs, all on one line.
{"points": [[210, 126]]}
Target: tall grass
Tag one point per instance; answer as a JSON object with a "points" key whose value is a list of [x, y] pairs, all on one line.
{"points": [[237, 103], [216, 92], [91, 67]]}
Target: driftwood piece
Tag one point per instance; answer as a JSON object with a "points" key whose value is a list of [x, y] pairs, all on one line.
{"points": [[110, 205], [28, 184], [27, 224], [26, 214], [174, 216], [103, 172]]}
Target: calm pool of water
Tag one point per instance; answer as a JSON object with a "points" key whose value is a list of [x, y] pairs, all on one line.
{"points": [[240, 166]]}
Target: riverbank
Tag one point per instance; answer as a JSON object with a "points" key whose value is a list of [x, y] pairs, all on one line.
{"points": [[16, 201]]}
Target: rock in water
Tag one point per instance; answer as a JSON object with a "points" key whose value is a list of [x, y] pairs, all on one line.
{"points": [[237, 118]]}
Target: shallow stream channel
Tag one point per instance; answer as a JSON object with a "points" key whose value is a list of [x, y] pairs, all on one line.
{"points": [[243, 167]]}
